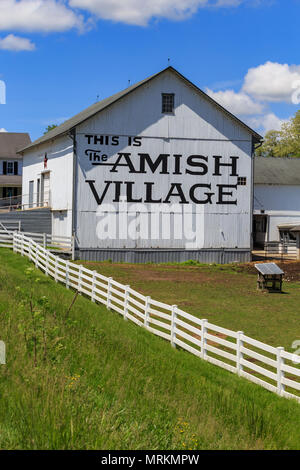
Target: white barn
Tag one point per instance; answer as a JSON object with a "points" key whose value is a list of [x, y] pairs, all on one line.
{"points": [[157, 172], [277, 201]]}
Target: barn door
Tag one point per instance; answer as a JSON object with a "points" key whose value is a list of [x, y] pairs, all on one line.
{"points": [[45, 193]]}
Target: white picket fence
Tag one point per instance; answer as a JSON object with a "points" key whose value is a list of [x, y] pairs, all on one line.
{"points": [[272, 368]]}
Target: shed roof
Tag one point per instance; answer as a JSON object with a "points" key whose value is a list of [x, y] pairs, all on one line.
{"points": [[272, 170], [87, 113], [11, 142]]}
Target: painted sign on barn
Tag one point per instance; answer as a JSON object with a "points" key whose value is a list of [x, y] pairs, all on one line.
{"points": [[185, 181]]}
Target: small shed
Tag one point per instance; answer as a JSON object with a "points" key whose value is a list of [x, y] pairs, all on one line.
{"points": [[269, 277]]}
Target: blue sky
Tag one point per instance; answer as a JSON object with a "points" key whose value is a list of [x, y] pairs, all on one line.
{"points": [[58, 56]]}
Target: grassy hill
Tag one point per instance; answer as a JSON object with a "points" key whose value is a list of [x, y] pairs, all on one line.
{"points": [[80, 377]]}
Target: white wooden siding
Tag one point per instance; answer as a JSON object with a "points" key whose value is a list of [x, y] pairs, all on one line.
{"points": [[280, 203], [60, 165], [196, 128]]}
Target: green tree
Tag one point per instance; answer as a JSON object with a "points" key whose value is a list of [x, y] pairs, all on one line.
{"points": [[49, 128], [270, 145], [283, 143]]}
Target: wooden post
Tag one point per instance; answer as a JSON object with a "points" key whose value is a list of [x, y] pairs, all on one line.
{"points": [[56, 269], [30, 249], [173, 325], [280, 372], [44, 240], [37, 247], [14, 242], [93, 286], [203, 338], [126, 300], [22, 245], [239, 354], [108, 293], [47, 263], [147, 305], [67, 274], [79, 279]]}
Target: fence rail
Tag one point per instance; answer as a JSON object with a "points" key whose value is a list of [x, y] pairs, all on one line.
{"points": [[26, 201], [272, 368], [282, 250], [9, 225], [54, 243]]}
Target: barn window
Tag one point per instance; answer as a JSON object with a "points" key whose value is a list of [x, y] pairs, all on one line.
{"points": [[242, 180], [167, 102]]}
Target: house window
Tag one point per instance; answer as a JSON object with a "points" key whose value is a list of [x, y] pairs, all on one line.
{"points": [[10, 168], [167, 102], [242, 181]]}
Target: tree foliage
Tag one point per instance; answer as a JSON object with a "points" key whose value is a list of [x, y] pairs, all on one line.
{"points": [[49, 128], [283, 143]]}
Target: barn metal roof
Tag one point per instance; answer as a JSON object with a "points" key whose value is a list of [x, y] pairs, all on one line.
{"points": [[271, 170], [87, 113], [11, 142]]}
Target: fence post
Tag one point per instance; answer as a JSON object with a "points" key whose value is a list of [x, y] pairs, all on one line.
{"points": [[108, 293], [239, 354], [47, 263], [203, 338], [126, 300], [173, 325], [14, 242], [79, 279], [44, 240], [93, 286], [37, 254], [22, 245], [30, 248], [147, 304], [56, 269], [67, 274], [280, 372]]}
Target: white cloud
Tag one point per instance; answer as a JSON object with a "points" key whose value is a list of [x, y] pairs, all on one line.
{"points": [[62, 15], [266, 122], [237, 103], [2, 129], [37, 15], [16, 43], [272, 82], [139, 12]]}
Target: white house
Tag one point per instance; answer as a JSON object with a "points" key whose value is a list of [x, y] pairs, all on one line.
{"points": [[277, 200], [11, 168], [156, 172]]}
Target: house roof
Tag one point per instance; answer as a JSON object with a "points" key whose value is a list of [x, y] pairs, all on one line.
{"points": [[11, 142], [272, 170], [87, 113]]}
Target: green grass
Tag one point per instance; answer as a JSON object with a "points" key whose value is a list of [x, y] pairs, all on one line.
{"points": [[103, 383], [220, 293]]}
